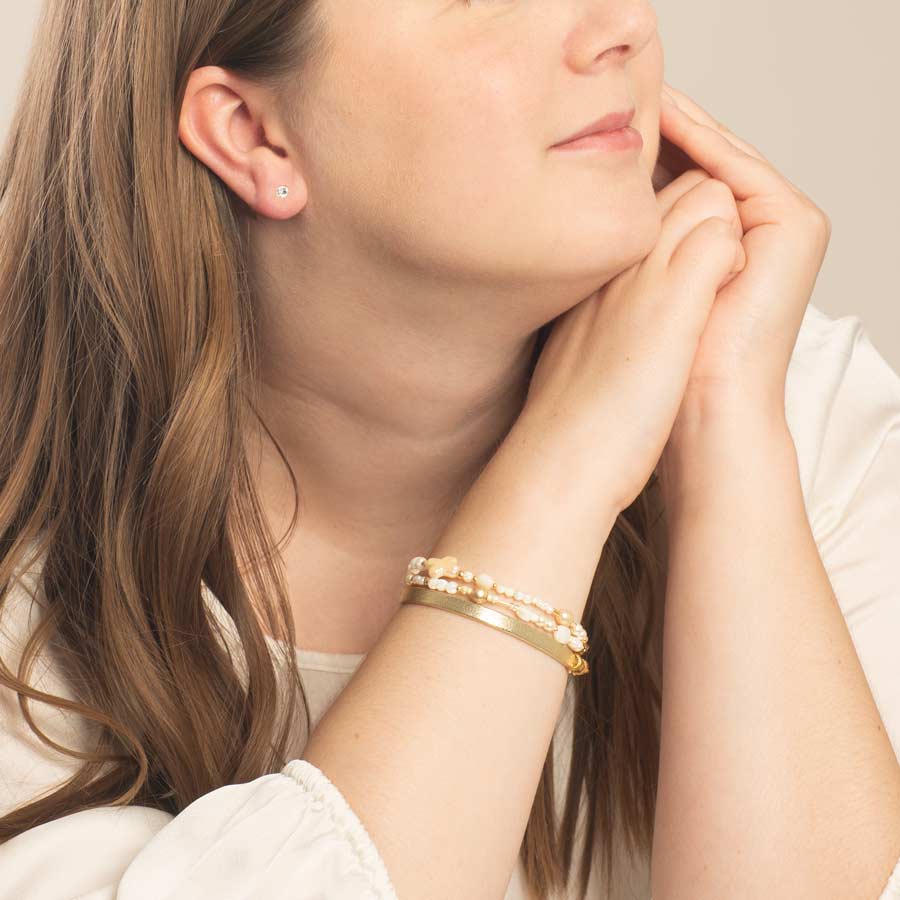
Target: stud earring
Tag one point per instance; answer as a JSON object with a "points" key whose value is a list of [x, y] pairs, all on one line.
{"points": [[281, 191]]}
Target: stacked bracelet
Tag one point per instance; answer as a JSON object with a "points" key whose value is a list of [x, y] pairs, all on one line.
{"points": [[439, 581]]}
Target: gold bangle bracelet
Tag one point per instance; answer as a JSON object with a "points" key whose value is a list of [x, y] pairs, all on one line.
{"points": [[444, 572], [574, 664]]}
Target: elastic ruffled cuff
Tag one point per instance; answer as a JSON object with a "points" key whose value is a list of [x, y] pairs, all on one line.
{"points": [[327, 797]]}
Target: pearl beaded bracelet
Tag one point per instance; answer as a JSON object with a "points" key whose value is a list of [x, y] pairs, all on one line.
{"points": [[551, 630]]}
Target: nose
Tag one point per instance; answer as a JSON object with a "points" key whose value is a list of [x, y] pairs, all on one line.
{"points": [[611, 32]]}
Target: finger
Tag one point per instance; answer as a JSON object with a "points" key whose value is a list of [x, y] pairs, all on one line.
{"points": [[703, 200], [696, 112], [746, 175], [709, 250], [699, 266], [668, 196]]}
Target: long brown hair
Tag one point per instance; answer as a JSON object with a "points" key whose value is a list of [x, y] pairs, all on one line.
{"points": [[127, 383]]}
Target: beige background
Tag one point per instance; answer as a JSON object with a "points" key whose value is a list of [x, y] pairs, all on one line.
{"points": [[810, 84]]}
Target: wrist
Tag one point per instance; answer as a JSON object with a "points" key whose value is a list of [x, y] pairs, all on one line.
{"points": [[531, 521], [719, 458], [730, 409], [569, 478]]}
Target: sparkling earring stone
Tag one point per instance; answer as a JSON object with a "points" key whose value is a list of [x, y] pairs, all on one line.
{"points": [[281, 190]]}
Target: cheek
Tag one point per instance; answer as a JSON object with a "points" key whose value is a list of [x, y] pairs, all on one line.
{"points": [[477, 135], [449, 168], [435, 128], [434, 152], [480, 139]]}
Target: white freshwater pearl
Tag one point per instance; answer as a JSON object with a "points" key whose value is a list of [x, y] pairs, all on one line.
{"points": [[563, 634]]}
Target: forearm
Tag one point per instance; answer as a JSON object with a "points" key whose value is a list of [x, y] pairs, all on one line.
{"points": [[439, 740], [777, 778]]}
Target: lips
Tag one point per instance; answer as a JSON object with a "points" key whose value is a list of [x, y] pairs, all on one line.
{"points": [[610, 122]]}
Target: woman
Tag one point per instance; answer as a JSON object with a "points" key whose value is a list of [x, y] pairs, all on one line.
{"points": [[260, 250]]}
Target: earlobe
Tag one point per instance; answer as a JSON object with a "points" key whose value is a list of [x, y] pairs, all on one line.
{"points": [[221, 124], [275, 189]]}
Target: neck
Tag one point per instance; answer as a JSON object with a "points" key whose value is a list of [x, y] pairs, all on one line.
{"points": [[388, 392]]}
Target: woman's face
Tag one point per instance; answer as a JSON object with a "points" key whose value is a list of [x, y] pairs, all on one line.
{"points": [[427, 137]]}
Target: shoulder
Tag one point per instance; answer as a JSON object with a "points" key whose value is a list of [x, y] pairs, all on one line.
{"points": [[29, 766], [842, 402], [271, 836], [72, 843]]}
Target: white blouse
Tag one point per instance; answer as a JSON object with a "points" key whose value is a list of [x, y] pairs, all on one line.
{"points": [[291, 834]]}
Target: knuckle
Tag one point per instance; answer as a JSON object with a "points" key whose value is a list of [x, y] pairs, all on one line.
{"points": [[723, 224], [815, 217], [820, 225], [720, 227], [719, 197]]}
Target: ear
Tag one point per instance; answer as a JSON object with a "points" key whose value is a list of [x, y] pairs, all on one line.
{"points": [[234, 127]]}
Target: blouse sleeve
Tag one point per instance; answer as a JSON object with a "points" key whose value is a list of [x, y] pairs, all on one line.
{"points": [[892, 889], [849, 450], [289, 834]]}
